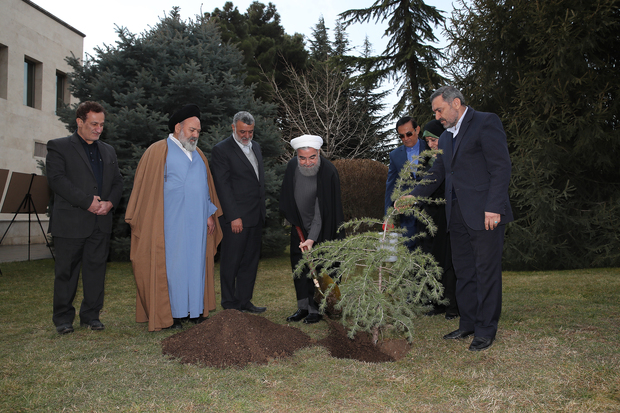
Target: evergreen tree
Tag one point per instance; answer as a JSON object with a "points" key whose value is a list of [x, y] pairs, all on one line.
{"points": [[320, 46], [340, 46], [549, 69], [410, 29], [372, 107], [381, 283], [266, 47], [144, 79]]}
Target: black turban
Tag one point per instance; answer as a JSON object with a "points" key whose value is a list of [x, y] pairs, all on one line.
{"points": [[186, 112]]}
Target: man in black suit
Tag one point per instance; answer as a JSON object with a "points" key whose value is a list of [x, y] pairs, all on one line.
{"points": [[83, 173], [475, 165], [237, 167]]}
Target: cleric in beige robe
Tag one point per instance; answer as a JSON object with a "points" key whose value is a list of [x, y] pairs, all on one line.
{"points": [[145, 215]]}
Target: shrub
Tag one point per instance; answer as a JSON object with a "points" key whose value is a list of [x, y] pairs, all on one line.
{"points": [[362, 183]]}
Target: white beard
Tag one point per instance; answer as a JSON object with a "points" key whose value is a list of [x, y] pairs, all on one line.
{"points": [[312, 170], [186, 143]]}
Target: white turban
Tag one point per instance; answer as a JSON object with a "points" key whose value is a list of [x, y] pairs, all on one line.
{"points": [[307, 141]]}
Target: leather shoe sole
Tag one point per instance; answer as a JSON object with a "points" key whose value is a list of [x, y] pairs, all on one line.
{"points": [[94, 325], [298, 315], [480, 343], [313, 318], [65, 329], [254, 309], [458, 334]]}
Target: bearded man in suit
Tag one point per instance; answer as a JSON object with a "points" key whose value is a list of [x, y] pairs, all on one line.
{"points": [[475, 165], [83, 173], [239, 175]]}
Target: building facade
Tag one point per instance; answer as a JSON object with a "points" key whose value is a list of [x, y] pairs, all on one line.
{"points": [[33, 83]]}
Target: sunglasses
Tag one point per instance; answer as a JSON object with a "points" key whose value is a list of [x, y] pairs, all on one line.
{"points": [[408, 134]]}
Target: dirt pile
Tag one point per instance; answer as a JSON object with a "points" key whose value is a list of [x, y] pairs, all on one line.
{"points": [[233, 338]]}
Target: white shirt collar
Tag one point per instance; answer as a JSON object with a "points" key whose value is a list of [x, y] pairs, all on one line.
{"points": [[455, 129], [242, 146], [180, 145]]}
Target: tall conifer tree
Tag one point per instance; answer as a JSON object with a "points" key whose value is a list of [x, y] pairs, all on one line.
{"points": [[408, 59], [550, 70]]}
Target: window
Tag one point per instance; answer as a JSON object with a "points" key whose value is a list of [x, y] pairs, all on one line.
{"points": [[4, 71], [32, 83], [40, 149], [29, 83], [62, 91]]}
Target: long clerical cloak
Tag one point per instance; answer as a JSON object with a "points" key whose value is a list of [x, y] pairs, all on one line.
{"points": [[327, 193], [145, 215]]}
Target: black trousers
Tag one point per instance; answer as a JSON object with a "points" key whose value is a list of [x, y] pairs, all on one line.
{"points": [[304, 286], [239, 256], [91, 255], [477, 259]]}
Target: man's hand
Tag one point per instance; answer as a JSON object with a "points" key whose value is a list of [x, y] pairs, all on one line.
{"points": [[95, 205], [210, 225], [491, 220], [236, 226], [105, 207], [306, 245], [401, 201]]}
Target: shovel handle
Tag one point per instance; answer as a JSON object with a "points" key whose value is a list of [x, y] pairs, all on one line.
{"points": [[301, 235]]}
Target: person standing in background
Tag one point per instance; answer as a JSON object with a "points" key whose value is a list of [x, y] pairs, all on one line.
{"points": [[83, 173], [237, 165]]}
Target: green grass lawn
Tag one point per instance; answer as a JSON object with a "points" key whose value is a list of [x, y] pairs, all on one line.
{"points": [[557, 350]]}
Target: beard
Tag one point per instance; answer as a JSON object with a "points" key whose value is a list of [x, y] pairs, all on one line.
{"points": [[310, 170], [239, 140], [187, 143]]}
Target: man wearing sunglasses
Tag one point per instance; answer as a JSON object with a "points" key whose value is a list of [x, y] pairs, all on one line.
{"points": [[408, 131]]}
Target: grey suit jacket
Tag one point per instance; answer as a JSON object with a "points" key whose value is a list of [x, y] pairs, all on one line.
{"points": [[73, 182], [241, 193]]}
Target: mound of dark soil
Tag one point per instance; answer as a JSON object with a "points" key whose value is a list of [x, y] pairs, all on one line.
{"points": [[360, 348], [233, 338]]}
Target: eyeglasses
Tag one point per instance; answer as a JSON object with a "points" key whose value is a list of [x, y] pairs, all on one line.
{"points": [[408, 134]]}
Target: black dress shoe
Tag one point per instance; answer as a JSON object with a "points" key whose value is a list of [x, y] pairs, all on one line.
{"points": [[251, 308], [480, 343], [458, 334], [313, 318], [176, 324], [94, 325], [451, 316], [197, 320], [298, 315], [64, 329]]}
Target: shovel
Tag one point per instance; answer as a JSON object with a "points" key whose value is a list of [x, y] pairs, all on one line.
{"points": [[322, 283]]}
